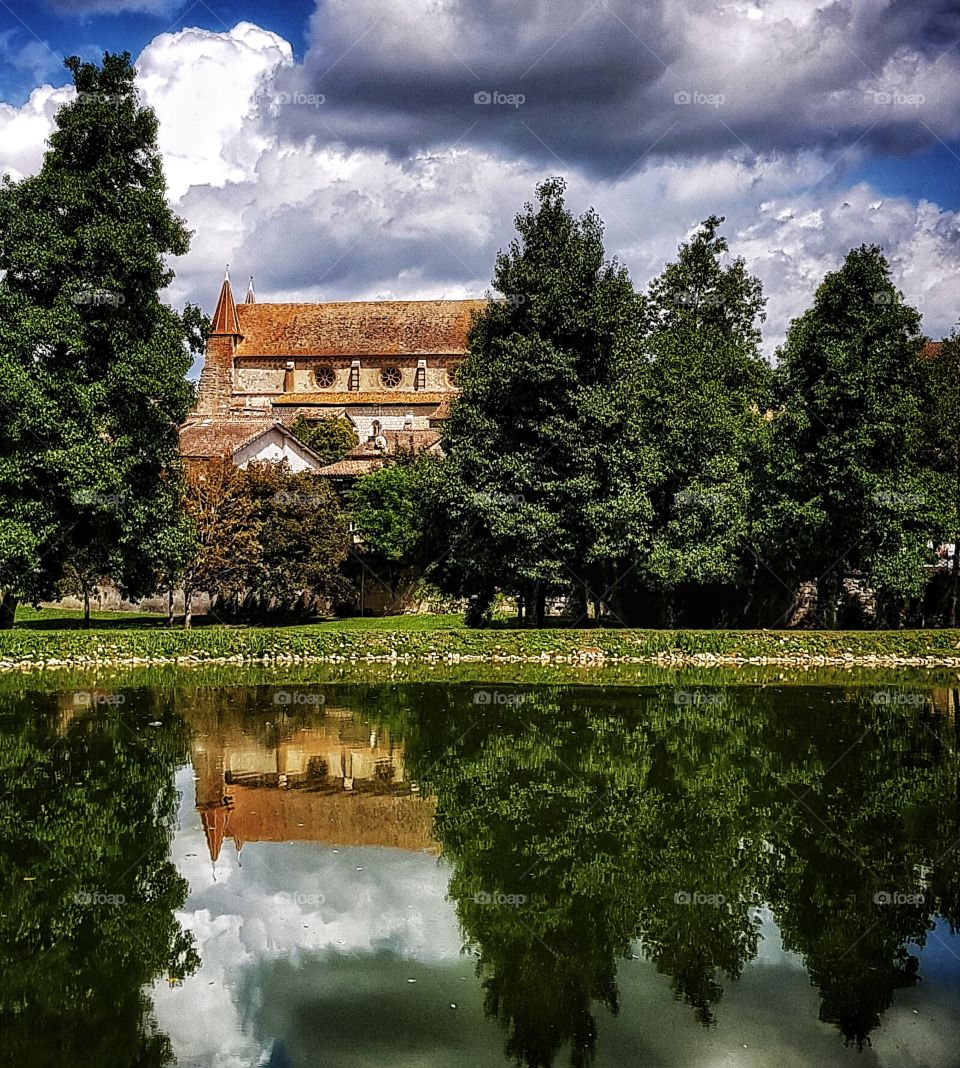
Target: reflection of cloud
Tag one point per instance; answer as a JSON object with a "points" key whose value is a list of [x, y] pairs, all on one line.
{"points": [[288, 902]]}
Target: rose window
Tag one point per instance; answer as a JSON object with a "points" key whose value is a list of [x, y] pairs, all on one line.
{"points": [[326, 376], [391, 377]]}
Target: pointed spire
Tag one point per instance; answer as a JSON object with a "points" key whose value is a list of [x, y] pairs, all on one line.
{"points": [[225, 319], [251, 296]]}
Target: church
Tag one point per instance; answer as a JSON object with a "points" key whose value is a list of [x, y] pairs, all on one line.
{"points": [[389, 367]]}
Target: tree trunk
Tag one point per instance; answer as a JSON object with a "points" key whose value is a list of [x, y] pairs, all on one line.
{"points": [[86, 608], [954, 583], [187, 609], [170, 607], [520, 610], [8, 610], [541, 604]]}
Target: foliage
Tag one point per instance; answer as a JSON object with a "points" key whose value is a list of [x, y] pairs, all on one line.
{"points": [[703, 417], [534, 442], [852, 493], [302, 538], [330, 439], [93, 376]]}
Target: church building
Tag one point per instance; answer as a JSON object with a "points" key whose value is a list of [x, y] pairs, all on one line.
{"points": [[389, 367]]}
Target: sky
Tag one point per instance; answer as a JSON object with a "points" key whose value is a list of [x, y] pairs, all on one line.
{"points": [[378, 149]]}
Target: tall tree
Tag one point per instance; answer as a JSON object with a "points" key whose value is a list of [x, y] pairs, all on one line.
{"points": [[704, 416], [943, 438], [92, 374], [853, 493], [533, 495]]}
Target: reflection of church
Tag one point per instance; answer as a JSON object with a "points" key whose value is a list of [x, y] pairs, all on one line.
{"points": [[338, 780]]}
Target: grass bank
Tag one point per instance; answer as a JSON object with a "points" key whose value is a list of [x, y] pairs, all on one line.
{"points": [[399, 641]]}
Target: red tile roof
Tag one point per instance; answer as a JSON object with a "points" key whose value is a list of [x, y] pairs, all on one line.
{"points": [[357, 328], [214, 438]]}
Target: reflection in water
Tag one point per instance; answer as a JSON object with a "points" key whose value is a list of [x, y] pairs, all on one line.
{"points": [[669, 822], [88, 889], [581, 828]]}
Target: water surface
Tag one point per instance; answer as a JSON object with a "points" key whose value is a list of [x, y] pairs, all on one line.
{"points": [[299, 870]]}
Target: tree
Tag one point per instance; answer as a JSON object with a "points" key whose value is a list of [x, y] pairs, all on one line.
{"points": [[92, 379], [703, 416], [851, 491], [225, 555], [387, 508], [943, 438], [330, 439], [535, 492], [302, 539]]}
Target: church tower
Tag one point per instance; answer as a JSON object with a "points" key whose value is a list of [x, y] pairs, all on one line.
{"points": [[216, 378]]}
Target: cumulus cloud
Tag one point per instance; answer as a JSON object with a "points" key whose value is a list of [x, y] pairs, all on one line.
{"points": [[273, 182]]}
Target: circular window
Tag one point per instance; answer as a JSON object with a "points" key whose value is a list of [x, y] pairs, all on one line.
{"points": [[390, 377], [326, 376], [453, 374]]}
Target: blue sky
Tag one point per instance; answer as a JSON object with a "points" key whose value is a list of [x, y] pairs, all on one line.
{"points": [[345, 149]]}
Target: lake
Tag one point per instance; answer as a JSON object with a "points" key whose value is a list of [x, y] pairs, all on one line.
{"points": [[313, 867]]}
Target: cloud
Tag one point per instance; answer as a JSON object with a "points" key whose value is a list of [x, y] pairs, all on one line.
{"points": [[321, 217], [603, 86], [116, 7]]}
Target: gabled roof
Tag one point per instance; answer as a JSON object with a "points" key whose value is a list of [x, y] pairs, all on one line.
{"points": [[357, 328], [220, 438]]}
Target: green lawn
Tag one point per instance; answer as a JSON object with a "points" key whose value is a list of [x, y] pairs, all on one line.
{"points": [[70, 619]]}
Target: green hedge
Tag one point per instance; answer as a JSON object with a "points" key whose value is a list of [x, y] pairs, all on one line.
{"points": [[327, 642]]}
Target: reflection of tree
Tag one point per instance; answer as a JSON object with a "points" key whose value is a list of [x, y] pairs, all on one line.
{"points": [[87, 810], [601, 811], [863, 833]]}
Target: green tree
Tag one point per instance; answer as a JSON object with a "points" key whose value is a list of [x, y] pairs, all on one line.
{"points": [[302, 540], [387, 509], [704, 416], [330, 439], [92, 379], [852, 494], [537, 493], [943, 439]]}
